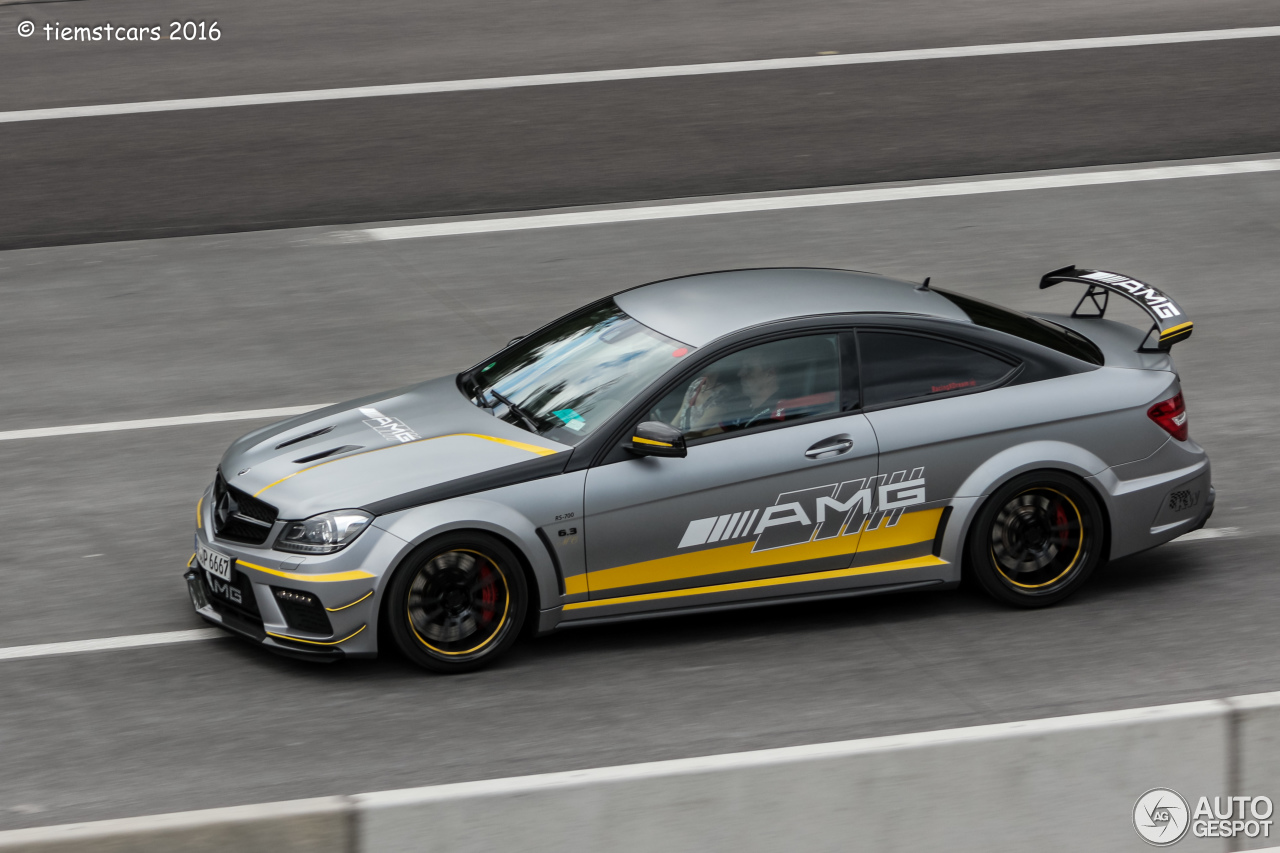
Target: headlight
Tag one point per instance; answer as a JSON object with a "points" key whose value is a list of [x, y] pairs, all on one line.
{"points": [[323, 533]]}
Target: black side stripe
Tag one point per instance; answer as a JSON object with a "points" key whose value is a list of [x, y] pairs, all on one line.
{"points": [[508, 475]]}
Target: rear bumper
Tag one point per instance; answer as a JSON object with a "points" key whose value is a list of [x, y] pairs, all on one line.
{"points": [[1157, 499]]}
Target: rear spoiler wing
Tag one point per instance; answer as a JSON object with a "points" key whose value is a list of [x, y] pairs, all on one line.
{"points": [[1170, 321]]}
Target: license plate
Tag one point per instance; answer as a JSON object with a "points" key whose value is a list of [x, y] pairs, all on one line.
{"points": [[215, 563]]}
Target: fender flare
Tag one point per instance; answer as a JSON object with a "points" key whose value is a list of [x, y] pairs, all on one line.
{"points": [[1021, 459], [419, 524]]}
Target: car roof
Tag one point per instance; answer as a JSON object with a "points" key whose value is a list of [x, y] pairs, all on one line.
{"points": [[698, 309]]}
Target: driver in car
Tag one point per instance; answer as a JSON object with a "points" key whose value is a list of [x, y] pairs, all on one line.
{"points": [[709, 402]]}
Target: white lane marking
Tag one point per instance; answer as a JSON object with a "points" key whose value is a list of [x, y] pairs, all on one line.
{"points": [[616, 74], [1211, 533], [149, 423], [167, 638], [825, 199], [134, 641]]}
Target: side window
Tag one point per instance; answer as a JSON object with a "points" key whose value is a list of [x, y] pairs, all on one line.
{"points": [[765, 384], [899, 366]]}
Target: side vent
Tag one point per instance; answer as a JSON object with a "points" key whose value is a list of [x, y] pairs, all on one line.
{"points": [[318, 432], [346, 448]]}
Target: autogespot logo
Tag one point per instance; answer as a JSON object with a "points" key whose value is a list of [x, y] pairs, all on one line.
{"points": [[1161, 817]]}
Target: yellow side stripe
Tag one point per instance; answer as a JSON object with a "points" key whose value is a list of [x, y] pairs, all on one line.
{"points": [[519, 445], [575, 584], [637, 439], [352, 604], [317, 642], [914, 563], [912, 528], [1176, 329], [354, 575]]}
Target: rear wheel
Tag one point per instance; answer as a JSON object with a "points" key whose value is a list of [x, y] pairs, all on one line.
{"points": [[457, 603], [1036, 540]]}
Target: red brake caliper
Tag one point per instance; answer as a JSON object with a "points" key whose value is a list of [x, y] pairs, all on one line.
{"points": [[488, 594], [1062, 525]]}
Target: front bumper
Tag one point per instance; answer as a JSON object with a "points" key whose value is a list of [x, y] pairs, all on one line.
{"points": [[314, 607], [248, 626]]}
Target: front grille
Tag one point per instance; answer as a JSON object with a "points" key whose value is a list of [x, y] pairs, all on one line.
{"points": [[239, 516], [302, 611]]}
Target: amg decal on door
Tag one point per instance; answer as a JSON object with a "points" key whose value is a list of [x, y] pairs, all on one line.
{"points": [[822, 512]]}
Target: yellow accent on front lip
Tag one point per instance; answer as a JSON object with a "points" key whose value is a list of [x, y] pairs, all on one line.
{"points": [[519, 445], [913, 563], [911, 528], [192, 560], [637, 439], [352, 604], [353, 575], [199, 518], [317, 642], [1175, 329]]}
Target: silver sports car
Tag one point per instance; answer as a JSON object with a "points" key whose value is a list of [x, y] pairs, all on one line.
{"points": [[713, 441]]}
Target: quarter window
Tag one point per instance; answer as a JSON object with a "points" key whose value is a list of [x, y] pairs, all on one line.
{"points": [[766, 384], [898, 367]]}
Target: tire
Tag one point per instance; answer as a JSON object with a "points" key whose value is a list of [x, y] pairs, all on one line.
{"points": [[1036, 540], [457, 603]]}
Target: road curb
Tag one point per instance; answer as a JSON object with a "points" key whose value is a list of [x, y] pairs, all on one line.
{"points": [[1062, 783]]}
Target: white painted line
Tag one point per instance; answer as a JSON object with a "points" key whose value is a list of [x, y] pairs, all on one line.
{"points": [[150, 423], [617, 74], [1211, 533], [130, 642], [825, 199]]}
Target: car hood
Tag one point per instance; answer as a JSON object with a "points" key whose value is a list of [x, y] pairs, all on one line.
{"points": [[376, 450]]}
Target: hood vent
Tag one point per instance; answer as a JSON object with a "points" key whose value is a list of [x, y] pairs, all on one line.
{"points": [[318, 432], [326, 453]]}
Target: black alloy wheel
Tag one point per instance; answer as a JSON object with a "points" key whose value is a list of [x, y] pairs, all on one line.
{"points": [[1036, 540], [457, 603]]}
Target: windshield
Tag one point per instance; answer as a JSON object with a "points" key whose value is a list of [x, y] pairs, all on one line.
{"points": [[567, 379]]}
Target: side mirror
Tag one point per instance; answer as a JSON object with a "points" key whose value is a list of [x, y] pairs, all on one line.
{"points": [[654, 438]]}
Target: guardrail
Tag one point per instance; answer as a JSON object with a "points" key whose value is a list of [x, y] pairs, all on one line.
{"points": [[1058, 784]]}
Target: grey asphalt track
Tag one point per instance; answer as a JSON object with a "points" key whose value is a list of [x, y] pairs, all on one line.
{"points": [[168, 327], [246, 168], [308, 44]]}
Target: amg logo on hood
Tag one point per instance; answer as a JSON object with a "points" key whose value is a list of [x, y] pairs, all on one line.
{"points": [[392, 429], [823, 512]]}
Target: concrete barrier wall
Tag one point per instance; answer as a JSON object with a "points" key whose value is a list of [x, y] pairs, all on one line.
{"points": [[1061, 784]]}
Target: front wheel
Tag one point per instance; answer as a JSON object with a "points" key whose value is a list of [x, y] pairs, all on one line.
{"points": [[1036, 540], [457, 603]]}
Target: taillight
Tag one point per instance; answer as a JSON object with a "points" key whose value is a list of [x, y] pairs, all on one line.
{"points": [[1171, 415]]}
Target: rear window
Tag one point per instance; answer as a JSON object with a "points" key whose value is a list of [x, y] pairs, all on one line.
{"points": [[898, 367], [1028, 328]]}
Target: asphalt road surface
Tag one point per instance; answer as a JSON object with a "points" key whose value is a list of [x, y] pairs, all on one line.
{"points": [[254, 167], [98, 527]]}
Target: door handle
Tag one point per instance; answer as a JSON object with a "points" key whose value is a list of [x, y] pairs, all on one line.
{"points": [[833, 446]]}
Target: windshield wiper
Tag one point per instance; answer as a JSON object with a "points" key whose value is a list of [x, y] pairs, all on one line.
{"points": [[515, 410]]}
